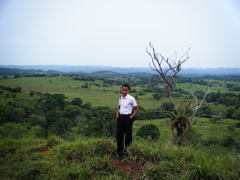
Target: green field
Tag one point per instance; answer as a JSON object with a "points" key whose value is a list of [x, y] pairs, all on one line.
{"points": [[204, 126], [97, 96]]}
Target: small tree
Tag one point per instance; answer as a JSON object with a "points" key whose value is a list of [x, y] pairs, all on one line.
{"points": [[182, 116]]}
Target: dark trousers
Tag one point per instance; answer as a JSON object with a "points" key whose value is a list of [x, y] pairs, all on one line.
{"points": [[124, 127]]}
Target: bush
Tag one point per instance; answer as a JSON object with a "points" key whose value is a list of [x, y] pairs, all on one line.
{"points": [[61, 126], [166, 106], [236, 114], [237, 125], [102, 125], [156, 96], [8, 146], [12, 114], [227, 141], [77, 101], [38, 170], [71, 111], [14, 130], [14, 90], [150, 132], [53, 140], [85, 85], [38, 120]]}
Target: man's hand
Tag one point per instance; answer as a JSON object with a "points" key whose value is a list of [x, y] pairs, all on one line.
{"points": [[117, 113]]}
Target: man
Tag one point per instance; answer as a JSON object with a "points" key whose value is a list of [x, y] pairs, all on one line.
{"points": [[125, 115]]}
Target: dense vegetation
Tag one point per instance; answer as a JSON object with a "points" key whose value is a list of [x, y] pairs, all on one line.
{"points": [[63, 127]]}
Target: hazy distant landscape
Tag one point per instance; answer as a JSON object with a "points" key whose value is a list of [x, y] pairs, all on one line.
{"points": [[90, 69]]}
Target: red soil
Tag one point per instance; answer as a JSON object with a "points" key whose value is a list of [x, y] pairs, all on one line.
{"points": [[126, 166]]}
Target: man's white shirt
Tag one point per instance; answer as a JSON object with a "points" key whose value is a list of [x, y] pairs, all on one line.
{"points": [[126, 104]]}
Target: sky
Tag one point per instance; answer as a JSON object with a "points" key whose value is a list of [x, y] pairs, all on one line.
{"points": [[117, 32]]}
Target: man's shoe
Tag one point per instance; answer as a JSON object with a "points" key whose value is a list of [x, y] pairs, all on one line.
{"points": [[119, 156]]}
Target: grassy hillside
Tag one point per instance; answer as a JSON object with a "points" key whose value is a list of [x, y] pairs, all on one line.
{"points": [[93, 158], [46, 136]]}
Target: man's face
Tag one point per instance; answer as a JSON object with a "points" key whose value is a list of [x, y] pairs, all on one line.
{"points": [[124, 91]]}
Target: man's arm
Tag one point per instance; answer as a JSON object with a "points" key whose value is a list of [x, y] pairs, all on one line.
{"points": [[117, 112], [135, 111]]}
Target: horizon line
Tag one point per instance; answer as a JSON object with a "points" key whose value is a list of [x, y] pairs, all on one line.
{"points": [[116, 66]]}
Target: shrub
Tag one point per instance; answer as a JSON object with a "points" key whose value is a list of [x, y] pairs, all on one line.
{"points": [[53, 140], [237, 125], [150, 132], [102, 125], [77, 101], [236, 114], [156, 96], [227, 141], [166, 106], [12, 114], [230, 111], [8, 146], [32, 170], [61, 126], [14, 130], [14, 90], [85, 85], [39, 120], [71, 111]]}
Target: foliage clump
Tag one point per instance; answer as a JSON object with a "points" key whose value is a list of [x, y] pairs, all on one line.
{"points": [[150, 132], [53, 140]]}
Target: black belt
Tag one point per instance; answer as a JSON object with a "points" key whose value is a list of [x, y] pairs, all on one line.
{"points": [[125, 114]]}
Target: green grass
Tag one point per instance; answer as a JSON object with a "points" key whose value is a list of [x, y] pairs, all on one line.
{"points": [[93, 158], [204, 126]]}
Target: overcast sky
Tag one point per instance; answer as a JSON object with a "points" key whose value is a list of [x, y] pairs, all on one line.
{"points": [[116, 32]]}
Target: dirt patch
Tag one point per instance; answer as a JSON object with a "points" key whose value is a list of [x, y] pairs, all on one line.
{"points": [[45, 152], [127, 166]]}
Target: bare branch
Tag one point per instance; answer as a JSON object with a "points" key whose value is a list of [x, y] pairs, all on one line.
{"points": [[197, 106]]}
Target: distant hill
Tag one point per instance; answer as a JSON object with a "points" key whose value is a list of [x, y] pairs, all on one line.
{"points": [[104, 74], [210, 71], [78, 69], [105, 71], [21, 72]]}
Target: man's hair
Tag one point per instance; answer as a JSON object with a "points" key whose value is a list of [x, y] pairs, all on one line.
{"points": [[126, 85]]}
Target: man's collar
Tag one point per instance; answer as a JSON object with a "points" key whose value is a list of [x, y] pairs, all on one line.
{"points": [[124, 96]]}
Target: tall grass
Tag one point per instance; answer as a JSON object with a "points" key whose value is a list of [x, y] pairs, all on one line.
{"points": [[93, 158]]}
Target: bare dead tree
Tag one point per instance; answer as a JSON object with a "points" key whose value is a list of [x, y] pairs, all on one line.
{"points": [[167, 70], [168, 74]]}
